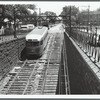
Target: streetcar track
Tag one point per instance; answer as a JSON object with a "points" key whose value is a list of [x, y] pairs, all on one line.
{"points": [[37, 76]]}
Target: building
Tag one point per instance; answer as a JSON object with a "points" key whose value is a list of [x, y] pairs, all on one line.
{"points": [[89, 18]]}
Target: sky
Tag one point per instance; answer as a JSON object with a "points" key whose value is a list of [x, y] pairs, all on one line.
{"points": [[57, 6]]}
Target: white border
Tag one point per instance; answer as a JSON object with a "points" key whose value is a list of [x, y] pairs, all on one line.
{"points": [[46, 96]]}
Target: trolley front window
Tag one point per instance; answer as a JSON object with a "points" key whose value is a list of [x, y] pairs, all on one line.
{"points": [[32, 43]]}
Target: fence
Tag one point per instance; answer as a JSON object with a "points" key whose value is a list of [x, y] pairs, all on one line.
{"points": [[88, 43]]}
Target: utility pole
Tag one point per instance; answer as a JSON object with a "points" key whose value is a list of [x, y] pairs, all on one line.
{"points": [[70, 22], [15, 24], [97, 19], [39, 16], [39, 11], [88, 22]]}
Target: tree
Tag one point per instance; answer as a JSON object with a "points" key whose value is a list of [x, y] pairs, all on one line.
{"points": [[18, 11], [51, 16], [2, 14], [66, 13], [74, 10], [32, 7], [49, 13]]}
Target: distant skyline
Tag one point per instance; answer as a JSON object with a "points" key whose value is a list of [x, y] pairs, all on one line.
{"points": [[57, 6]]}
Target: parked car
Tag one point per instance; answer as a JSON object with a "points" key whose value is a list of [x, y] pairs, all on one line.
{"points": [[26, 28]]}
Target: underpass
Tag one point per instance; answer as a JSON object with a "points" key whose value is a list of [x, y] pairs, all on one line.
{"points": [[72, 73], [44, 77]]}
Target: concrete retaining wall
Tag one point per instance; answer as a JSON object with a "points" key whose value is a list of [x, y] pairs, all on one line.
{"points": [[9, 54], [82, 78]]}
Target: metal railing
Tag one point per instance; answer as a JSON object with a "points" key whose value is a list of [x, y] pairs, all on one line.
{"points": [[88, 43]]}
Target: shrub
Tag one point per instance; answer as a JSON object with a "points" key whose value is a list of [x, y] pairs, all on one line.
{"points": [[8, 31]]}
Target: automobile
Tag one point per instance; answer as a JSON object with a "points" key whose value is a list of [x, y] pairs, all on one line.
{"points": [[27, 28]]}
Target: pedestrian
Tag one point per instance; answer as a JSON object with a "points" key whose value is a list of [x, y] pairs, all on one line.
{"points": [[2, 30]]}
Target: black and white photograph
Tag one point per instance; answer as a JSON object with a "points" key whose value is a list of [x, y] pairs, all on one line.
{"points": [[49, 48]]}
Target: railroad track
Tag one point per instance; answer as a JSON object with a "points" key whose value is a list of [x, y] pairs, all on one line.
{"points": [[65, 74], [37, 76], [63, 80]]}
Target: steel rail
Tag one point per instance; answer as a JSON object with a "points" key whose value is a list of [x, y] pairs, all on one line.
{"points": [[61, 50], [66, 74], [15, 76], [29, 78], [47, 66]]}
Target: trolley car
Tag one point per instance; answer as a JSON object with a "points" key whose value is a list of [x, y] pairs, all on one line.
{"points": [[36, 41]]}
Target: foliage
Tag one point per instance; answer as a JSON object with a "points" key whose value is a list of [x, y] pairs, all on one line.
{"points": [[31, 6], [51, 16], [66, 12], [49, 13], [17, 10], [8, 31], [98, 9]]}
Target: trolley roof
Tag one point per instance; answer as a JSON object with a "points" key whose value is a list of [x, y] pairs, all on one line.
{"points": [[37, 33]]}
